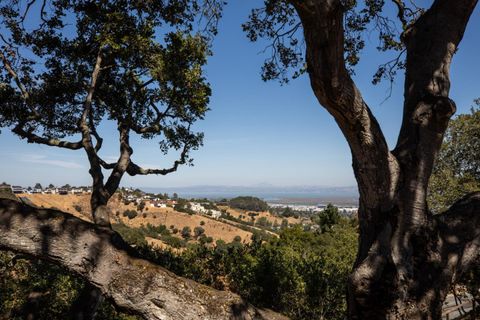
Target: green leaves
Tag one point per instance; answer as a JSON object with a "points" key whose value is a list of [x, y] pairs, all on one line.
{"points": [[457, 169], [150, 80]]}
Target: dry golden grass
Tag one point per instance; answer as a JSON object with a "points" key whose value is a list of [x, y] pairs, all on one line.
{"points": [[245, 217], [155, 216]]}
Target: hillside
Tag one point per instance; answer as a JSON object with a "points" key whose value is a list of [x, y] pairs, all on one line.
{"points": [[79, 206]]}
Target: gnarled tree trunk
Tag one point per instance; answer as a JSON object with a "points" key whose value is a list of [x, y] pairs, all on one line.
{"points": [[101, 257], [407, 257]]}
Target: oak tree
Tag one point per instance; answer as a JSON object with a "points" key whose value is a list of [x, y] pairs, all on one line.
{"points": [[407, 256], [70, 65]]}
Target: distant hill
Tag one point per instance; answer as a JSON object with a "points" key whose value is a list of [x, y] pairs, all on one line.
{"points": [[266, 192]]}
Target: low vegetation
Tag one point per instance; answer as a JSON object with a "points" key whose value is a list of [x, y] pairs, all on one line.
{"points": [[248, 203]]}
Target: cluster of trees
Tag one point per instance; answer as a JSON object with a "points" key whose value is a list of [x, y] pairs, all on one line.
{"points": [[248, 204], [293, 273], [183, 205]]}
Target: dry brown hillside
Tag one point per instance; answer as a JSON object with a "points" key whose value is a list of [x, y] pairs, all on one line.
{"points": [[155, 216], [245, 217]]}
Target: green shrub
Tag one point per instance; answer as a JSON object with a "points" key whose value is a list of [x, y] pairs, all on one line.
{"points": [[130, 214]]}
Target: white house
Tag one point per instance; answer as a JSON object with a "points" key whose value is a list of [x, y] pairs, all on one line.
{"points": [[197, 207], [215, 214]]}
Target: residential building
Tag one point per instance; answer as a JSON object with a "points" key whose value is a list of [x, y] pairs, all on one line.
{"points": [[17, 189]]}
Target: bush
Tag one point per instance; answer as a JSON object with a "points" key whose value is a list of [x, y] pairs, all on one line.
{"points": [[237, 239], [198, 231], [202, 223], [130, 214], [186, 232], [183, 206], [77, 208], [141, 206]]}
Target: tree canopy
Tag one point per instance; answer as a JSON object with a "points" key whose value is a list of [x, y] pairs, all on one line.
{"points": [[69, 65], [248, 203]]}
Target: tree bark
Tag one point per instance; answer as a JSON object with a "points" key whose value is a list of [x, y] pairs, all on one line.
{"points": [[407, 257], [101, 257]]}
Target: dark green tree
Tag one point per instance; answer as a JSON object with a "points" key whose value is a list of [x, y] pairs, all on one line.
{"points": [[136, 64], [69, 66], [198, 231], [327, 218], [186, 233]]}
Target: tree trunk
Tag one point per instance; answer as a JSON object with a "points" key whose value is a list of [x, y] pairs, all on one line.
{"points": [[407, 257], [98, 203], [86, 305], [407, 273], [101, 257]]}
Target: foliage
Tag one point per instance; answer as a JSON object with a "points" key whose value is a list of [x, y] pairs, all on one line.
{"points": [[457, 169], [133, 236], [141, 206], [47, 288], [263, 222], [186, 232], [327, 218], [198, 231], [278, 24], [130, 213], [248, 203], [301, 274], [183, 206], [69, 65]]}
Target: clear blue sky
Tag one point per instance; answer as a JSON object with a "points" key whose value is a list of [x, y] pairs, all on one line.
{"points": [[256, 132]]}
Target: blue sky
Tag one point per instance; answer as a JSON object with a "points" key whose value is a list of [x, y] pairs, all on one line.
{"points": [[256, 132]]}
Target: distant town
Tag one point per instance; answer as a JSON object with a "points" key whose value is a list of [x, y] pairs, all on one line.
{"points": [[163, 200]]}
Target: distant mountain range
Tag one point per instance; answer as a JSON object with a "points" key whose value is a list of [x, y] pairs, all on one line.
{"points": [[291, 194]]}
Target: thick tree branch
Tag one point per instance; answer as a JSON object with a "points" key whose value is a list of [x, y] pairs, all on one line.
{"points": [[33, 138], [324, 35], [376, 169], [134, 169], [459, 228], [431, 43], [102, 258], [23, 90], [123, 162]]}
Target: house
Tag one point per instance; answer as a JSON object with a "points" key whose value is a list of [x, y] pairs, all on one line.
{"points": [[197, 207], [37, 190], [17, 189], [63, 191], [5, 188], [215, 214], [158, 204], [76, 191], [51, 191]]}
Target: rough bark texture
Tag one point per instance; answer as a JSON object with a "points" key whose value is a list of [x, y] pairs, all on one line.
{"points": [[101, 257], [407, 257]]}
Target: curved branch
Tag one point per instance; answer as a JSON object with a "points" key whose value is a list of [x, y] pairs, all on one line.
{"points": [[102, 258], [134, 169], [33, 138], [155, 126], [376, 169]]}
